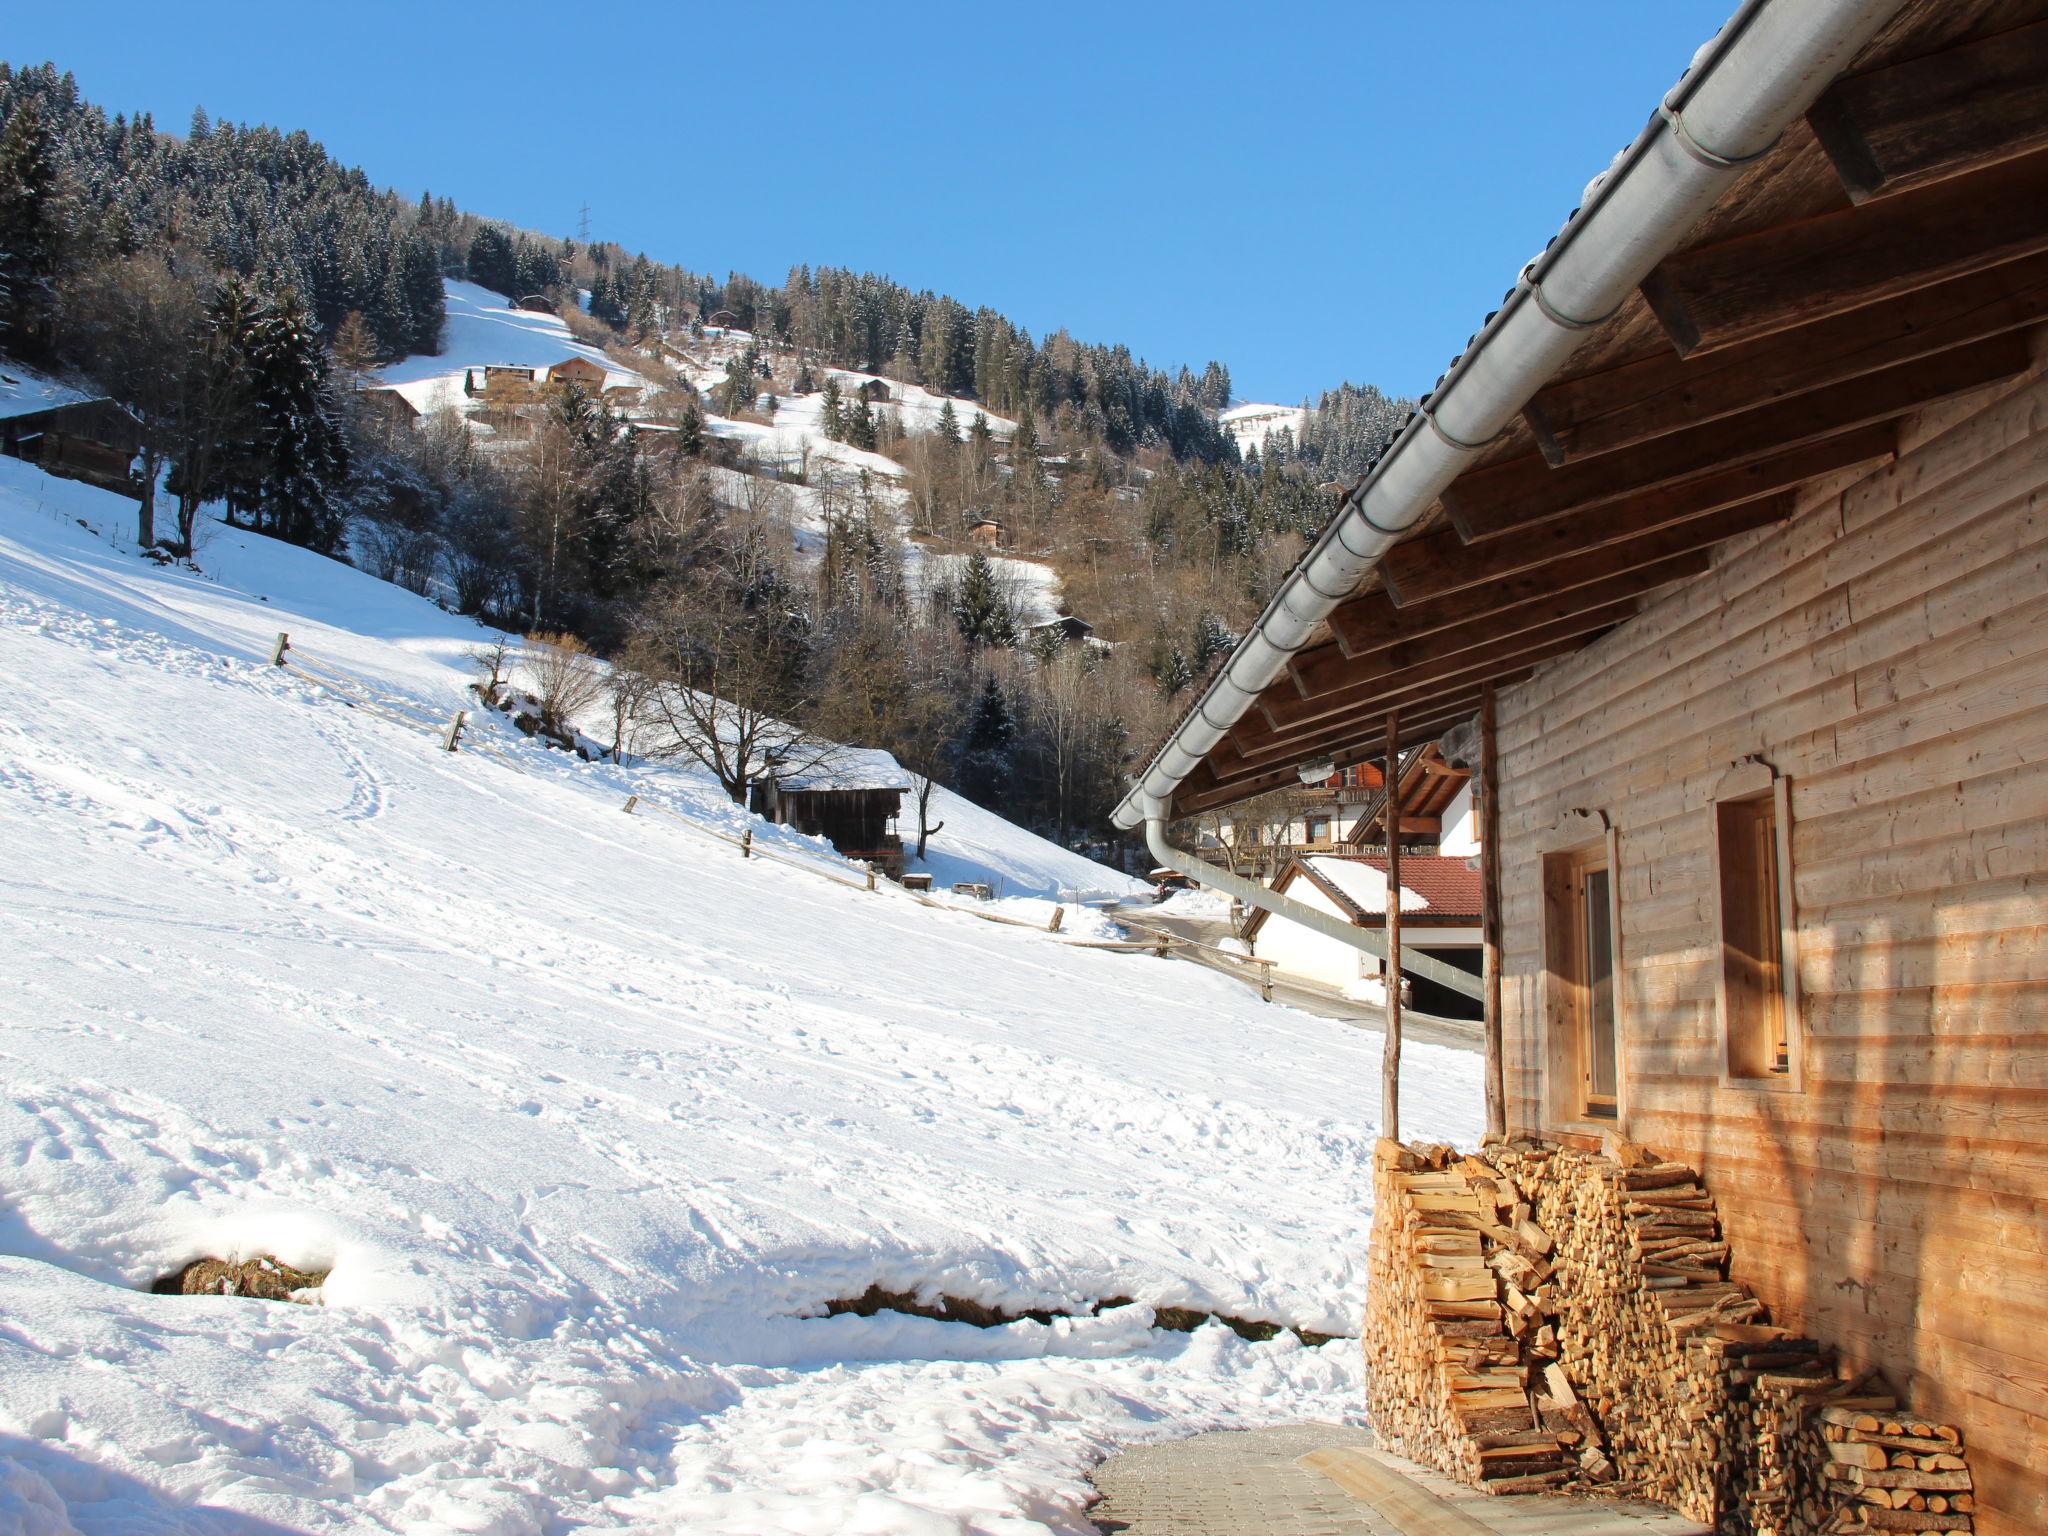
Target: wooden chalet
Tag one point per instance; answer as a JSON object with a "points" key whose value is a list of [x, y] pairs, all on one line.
{"points": [[1434, 795], [1725, 542], [723, 319], [873, 390], [580, 371], [988, 533], [389, 407], [63, 432], [1440, 911], [1064, 630], [852, 800]]}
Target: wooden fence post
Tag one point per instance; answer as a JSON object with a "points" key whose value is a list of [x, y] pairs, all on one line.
{"points": [[1390, 1064], [1159, 947], [1265, 983], [1059, 915], [870, 868], [284, 643], [1489, 918], [453, 733], [631, 801], [747, 843]]}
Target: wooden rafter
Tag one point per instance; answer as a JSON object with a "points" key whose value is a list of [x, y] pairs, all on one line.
{"points": [[1652, 396], [1368, 623], [1527, 490], [1436, 712], [1281, 715], [1555, 555], [1477, 518], [1776, 279], [1925, 119], [1324, 671]]}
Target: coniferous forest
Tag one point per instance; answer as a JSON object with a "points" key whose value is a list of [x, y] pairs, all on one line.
{"points": [[235, 286]]}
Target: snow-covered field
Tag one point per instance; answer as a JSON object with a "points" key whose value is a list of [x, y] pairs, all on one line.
{"points": [[1250, 424], [589, 1115], [483, 329]]}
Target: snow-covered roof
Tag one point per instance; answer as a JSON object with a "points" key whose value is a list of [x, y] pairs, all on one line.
{"points": [[1429, 883], [23, 391], [851, 768]]}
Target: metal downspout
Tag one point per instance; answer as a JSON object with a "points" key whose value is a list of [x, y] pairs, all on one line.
{"points": [[1253, 894]]}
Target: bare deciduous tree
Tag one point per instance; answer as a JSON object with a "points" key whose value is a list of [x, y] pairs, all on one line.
{"points": [[566, 679], [723, 687]]}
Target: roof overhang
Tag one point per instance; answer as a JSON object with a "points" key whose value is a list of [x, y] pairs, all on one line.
{"points": [[1837, 217]]}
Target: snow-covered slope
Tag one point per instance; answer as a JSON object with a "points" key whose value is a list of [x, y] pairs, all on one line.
{"points": [[1250, 424], [585, 1111], [483, 328]]}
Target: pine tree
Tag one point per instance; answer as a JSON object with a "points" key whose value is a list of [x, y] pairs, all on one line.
{"points": [[30, 227], [981, 609], [492, 263], [690, 429], [301, 460], [829, 413], [1211, 640], [858, 423], [978, 434], [949, 425], [985, 758]]}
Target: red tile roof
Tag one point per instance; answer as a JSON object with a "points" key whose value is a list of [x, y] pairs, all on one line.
{"points": [[1448, 887]]}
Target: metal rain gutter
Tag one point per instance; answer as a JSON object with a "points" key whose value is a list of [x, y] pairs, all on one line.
{"points": [[1253, 894], [1759, 73]]}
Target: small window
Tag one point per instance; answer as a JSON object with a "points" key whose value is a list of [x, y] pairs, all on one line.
{"points": [[1580, 896], [1757, 983], [1319, 829]]}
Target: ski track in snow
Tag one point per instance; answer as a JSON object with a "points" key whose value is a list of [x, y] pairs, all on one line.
{"points": [[588, 1115]]}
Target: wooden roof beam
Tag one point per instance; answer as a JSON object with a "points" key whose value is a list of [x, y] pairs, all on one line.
{"points": [[1366, 624], [1359, 730], [1325, 669], [1774, 279], [1921, 120], [1653, 396], [1552, 555], [1525, 490], [1282, 710]]}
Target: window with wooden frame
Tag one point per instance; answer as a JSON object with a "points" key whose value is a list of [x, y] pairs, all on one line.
{"points": [[1757, 985], [1579, 904]]}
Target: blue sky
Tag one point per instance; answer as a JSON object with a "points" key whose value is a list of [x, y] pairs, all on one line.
{"points": [[1308, 192]]}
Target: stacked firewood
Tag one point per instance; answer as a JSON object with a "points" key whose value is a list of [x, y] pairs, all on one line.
{"points": [[1878, 1470], [1448, 1378], [1545, 1317]]}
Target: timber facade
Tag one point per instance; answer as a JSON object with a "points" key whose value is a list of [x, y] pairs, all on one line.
{"points": [[1737, 604], [1882, 656]]}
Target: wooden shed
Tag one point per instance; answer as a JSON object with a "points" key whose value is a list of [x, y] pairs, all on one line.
{"points": [[390, 407], [65, 432], [1740, 569], [873, 390], [988, 532], [852, 800], [580, 371]]}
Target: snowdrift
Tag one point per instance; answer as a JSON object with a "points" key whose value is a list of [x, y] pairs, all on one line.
{"points": [[588, 1116]]}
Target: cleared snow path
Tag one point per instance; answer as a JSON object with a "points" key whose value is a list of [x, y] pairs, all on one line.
{"points": [[584, 1111]]}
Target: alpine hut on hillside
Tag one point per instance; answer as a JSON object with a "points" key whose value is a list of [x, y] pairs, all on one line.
{"points": [[580, 371], [1728, 530], [852, 800], [66, 432]]}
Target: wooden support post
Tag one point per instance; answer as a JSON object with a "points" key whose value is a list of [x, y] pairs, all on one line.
{"points": [[284, 643], [871, 874], [1059, 915], [631, 801], [1159, 947], [1265, 983], [747, 843], [453, 734], [1390, 1065], [1489, 920]]}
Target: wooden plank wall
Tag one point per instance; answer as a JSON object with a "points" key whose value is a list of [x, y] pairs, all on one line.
{"points": [[1887, 650]]}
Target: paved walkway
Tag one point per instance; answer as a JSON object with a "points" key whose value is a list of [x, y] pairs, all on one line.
{"points": [[1233, 1484], [1326, 1480]]}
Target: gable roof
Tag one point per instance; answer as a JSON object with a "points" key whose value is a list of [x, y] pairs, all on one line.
{"points": [[1434, 889], [1816, 235]]}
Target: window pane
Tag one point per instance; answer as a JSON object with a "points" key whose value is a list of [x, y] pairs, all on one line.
{"points": [[1600, 1073]]}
